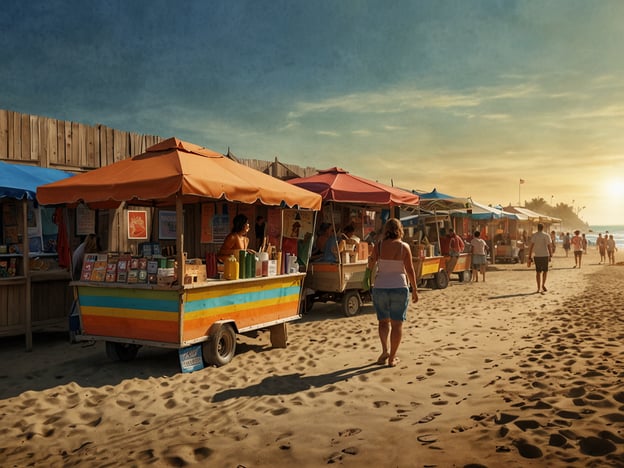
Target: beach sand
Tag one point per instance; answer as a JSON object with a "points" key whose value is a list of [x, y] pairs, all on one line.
{"points": [[491, 374]]}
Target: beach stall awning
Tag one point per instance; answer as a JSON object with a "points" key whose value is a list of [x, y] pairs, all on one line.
{"points": [[174, 168], [531, 215], [21, 181], [434, 201], [338, 185], [479, 211]]}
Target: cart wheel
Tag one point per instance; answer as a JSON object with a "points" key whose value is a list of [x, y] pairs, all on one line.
{"points": [[351, 303], [121, 351], [441, 280], [221, 346], [309, 302], [465, 276]]}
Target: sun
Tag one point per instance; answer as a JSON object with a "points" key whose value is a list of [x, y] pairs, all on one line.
{"points": [[615, 188]]}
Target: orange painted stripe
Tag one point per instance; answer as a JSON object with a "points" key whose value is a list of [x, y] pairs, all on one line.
{"points": [[153, 330], [198, 327]]}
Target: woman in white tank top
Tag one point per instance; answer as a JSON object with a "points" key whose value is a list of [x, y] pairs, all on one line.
{"points": [[395, 271]]}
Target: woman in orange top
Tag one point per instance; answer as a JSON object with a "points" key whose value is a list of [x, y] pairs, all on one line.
{"points": [[237, 239]]}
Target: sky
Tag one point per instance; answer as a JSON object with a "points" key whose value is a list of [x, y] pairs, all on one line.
{"points": [[468, 97]]}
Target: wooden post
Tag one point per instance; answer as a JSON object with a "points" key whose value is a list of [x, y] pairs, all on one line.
{"points": [[26, 267], [279, 335], [180, 256]]}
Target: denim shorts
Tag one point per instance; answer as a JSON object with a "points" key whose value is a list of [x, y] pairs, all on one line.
{"points": [[391, 303]]}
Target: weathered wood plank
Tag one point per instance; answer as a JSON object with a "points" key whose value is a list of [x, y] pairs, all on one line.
{"points": [[15, 146], [24, 154], [35, 138], [82, 145], [60, 142], [110, 150], [118, 145], [16, 300], [4, 133], [69, 143], [75, 145], [52, 142], [91, 132]]}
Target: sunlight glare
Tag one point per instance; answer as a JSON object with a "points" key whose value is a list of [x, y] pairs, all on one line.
{"points": [[615, 188]]}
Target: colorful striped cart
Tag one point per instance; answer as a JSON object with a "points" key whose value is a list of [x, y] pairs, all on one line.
{"points": [[130, 316]]}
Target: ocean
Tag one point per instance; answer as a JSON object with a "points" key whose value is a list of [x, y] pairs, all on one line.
{"points": [[617, 231]]}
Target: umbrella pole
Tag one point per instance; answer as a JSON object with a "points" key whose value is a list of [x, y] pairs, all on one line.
{"points": [[331, 209], [180, 250], [435, 216]]}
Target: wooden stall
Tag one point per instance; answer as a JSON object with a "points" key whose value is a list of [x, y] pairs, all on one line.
{"points": [[34, 280]]}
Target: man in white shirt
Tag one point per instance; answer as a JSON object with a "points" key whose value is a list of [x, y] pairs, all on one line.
{"points": [[541, 244]]}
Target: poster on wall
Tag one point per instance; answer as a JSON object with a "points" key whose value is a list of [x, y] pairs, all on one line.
{"points": [[220, 222], [137, 224], [85, 221], [220, 227], [33, 221], [368, 223], [207, 213], [297, 223], [167, 225], [273, 229]]}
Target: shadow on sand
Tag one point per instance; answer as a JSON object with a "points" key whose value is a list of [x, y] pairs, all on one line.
{"points": [[293, 383]]}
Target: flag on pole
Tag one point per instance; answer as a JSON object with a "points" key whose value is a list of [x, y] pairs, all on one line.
{"points": [[522, 181]]}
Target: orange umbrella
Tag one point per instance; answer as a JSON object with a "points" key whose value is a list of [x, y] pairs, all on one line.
{"points": [[170, 168]]}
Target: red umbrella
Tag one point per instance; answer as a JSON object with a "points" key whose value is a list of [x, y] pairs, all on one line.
{"points": [[338, 185]]}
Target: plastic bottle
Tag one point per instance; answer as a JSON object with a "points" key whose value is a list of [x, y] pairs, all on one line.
{"points": [[258, 266], [242, 260], [231, 268], [264, 259], [250, 268]]}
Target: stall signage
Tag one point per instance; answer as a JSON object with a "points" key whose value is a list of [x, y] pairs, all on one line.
{"points": [[191, 358]]}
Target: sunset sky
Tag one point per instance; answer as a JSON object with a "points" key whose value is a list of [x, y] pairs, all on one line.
{"points": [[465, 96]]}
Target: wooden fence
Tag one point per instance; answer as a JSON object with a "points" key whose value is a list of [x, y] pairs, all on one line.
{"points": [[76, 147]]}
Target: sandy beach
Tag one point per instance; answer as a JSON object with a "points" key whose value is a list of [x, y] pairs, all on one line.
{"points": [[492, 374]]}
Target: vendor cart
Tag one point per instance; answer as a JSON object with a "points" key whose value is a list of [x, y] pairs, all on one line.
{"points": [[211, 313], [507, 253], [183, 308], [423, 233], [346, 194], [337, 282]]}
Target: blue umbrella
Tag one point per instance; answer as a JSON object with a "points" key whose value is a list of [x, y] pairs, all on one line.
{"points": [[21, 181], [435, 200]]}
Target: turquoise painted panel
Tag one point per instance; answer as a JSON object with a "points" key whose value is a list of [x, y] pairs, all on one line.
{"points": [[137, 303], [243, 298]]}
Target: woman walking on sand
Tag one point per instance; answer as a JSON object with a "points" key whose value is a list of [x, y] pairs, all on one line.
{"points": [[390, 288]]}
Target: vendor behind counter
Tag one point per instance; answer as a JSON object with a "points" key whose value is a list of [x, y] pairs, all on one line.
{"points": [[237, 239]]}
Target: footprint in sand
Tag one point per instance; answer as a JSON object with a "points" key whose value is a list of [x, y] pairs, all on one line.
{"points": [[525, 424], [596, 446], [350, 432], [428, 418], [528, 450], [338, 456]]}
